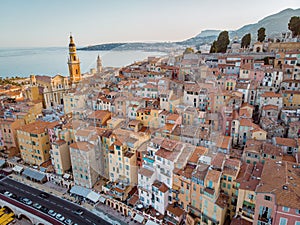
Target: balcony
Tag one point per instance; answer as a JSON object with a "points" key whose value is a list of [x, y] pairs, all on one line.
{"points": [[265, 219], [248, 215], [209, 192], [205, 218]]}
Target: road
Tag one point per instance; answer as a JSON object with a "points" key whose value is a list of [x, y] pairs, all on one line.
{"points": [[59, 205]]}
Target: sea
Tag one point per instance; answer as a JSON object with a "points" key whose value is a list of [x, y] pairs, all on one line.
{"points": [[23, 62]]}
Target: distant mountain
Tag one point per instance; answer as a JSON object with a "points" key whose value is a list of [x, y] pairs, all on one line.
{"points": [[274, 24]]}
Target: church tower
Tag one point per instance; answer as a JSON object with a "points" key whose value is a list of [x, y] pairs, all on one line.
{"points": [[74, 63], [99, 64]]}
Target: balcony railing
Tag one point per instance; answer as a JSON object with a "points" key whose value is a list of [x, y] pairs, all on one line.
{"points": [[248, 215]]}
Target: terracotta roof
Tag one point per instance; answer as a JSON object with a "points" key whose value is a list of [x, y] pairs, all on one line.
{"points": [[82, 145], [270, 149], [240, 221], [160, 186], [283, 180], [270, 107], [133, 200], [199, 151], [145, 172], [175, 210], [222, 200], [213, 175], [248, 174], [218, 160], [59, 142], [246, 122], [173, 116], [271, 95], [84, 132], [37, 127], [223, 142], [286, 142], [99, 114]]}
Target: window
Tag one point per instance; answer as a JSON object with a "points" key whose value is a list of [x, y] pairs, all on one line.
{"points": [[229, 178], [285, 209], [268, 198], [297, 223], [283, 221], [250, 196]]}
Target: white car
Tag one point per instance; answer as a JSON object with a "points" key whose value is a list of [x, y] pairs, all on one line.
{"points": [[52, 213]]}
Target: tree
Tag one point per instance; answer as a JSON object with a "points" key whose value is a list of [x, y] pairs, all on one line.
{"points": [[246, 41], [213, 48], [294, 25], [261, 34], [222, 42], [220, 45]]}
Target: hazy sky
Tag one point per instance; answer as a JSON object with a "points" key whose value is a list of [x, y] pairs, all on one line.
{"points": [[27, 23]]}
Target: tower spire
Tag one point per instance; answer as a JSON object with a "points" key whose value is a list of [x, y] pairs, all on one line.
{"points": [[99, 64], [73, 62]]}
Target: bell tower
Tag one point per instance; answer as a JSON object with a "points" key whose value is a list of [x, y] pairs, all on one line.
{"points": [[74, 63], [99, 64]]}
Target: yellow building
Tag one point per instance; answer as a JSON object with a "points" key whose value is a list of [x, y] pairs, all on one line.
{"points": [[148, 117], [214, 205], [33, 93], [122, 155], [228, 183], [53, 88], [30, 111], [61, 156], [195, 208], [259, 134], [34, 143], [247, 181], [73, 100], [290, 98], [74, 63], [84, 163], [8, 132]]}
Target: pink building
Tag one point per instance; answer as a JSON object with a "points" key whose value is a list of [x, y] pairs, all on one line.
{"points": [[227, 116], [277, 199], [256, 75]]}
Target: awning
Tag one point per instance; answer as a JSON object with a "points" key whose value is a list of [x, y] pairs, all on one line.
{"points": [[2, 162], [81, 191], [34, 174], [93, 196], [150, 222], [138, 218], [18, 169], [249, 204], [102, 199]]}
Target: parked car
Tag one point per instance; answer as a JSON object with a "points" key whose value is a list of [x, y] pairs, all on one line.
{"points": [[68, 221], [60, 217], [52, 213], [37, 206]]}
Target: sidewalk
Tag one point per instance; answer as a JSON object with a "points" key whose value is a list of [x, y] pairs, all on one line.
{"points": [[99, 209], [115, 215]]}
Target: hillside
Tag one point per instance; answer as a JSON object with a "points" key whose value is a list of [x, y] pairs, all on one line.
{"points": [[275, 24]]}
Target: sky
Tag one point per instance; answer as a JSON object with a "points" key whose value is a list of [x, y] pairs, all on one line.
{"points": [[44, 23]]}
